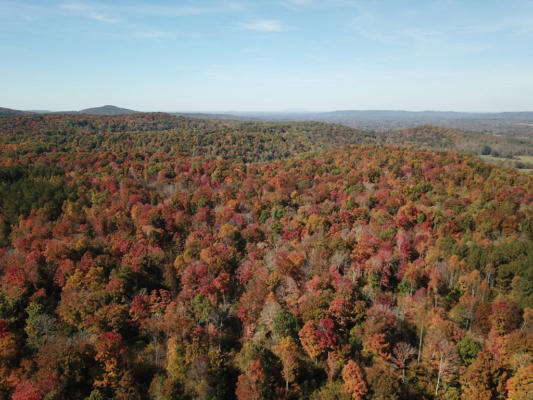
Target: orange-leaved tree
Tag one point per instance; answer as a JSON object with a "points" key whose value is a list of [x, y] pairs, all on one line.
{"points": [[354, 383]]}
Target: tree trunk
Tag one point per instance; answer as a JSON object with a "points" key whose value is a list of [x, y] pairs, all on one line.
{"points": [[420, 342], [438, 376]]}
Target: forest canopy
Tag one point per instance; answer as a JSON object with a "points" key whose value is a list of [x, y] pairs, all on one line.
{"points": [[158, 257]]}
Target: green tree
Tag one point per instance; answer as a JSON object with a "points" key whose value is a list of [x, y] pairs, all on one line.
{"points": [[468, 350]]}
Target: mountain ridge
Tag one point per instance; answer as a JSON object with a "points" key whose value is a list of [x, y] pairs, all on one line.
{"points": [[106, 110], [109, 109], [9, 111], [102, 110]]}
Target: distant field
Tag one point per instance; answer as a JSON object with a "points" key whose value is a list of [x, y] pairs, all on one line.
{"points": [[526, 159], [522, 163], [494, 159]]}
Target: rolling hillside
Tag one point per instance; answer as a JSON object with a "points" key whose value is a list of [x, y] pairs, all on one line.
{"points": [[222, 259]]}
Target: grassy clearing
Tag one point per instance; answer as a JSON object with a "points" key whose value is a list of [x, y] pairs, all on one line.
{"points": [[526, 159], [492, 159], [522, 163]]}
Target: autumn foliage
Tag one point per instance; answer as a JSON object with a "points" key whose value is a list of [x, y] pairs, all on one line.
{"points": [[157, 257], [354, 382]]}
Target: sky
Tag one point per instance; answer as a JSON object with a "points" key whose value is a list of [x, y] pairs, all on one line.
{"points": [[279, 55]]}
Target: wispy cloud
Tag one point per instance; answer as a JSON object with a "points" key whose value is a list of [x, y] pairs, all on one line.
{"points": [[90, 11], [264, 25], [148, 8], [367, 25], [130, 13], [169, 11], [376, 27], [111, 12], [149, 34], [103, 18], [25, 11], [420, 36], [296, 4], [404, 34], [519, 26]]}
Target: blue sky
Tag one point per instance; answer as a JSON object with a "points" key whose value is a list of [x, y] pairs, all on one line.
{"points": [[267, 55]]}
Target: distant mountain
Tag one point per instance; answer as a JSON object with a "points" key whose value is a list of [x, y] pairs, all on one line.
{"points": [[40, 111], [9, 111], [518, 124], [523, 115], [207, 115], [362, 115], [426, 115], [106, 110]]}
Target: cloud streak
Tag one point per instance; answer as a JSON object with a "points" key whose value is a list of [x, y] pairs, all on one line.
{"points": [[264, 25], [103, 12], [518, 25], [89, 11], [179, 11]]}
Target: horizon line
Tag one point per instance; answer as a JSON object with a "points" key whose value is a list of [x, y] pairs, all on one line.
{"points": [[285, 111]]}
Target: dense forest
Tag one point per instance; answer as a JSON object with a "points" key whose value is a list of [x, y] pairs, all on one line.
{"points": [[232, 139], [159, 257], [509, 124], [174, 135], [432, 137]]}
